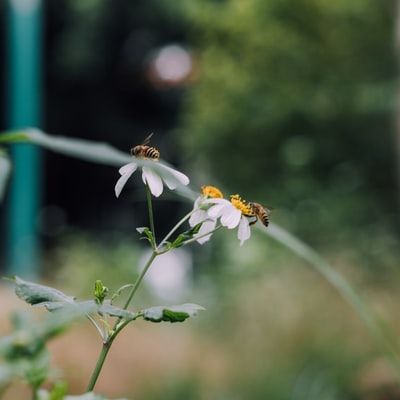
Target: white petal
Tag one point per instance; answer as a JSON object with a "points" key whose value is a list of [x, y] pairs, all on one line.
{"points": [[153, 180], [172, 177], [129, 168], [217, 201], [207, 226], [231, 217], [197, 217], [217, 210], [244, 231], [196, 204], [126, 171]]}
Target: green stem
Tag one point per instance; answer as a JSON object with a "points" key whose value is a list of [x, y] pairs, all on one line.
{"points": [[135, 287], [100, 362], [175, 228], [117, 327], [151, 216]]}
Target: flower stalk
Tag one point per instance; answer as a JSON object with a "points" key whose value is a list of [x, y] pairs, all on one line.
{"points": [[210, 212], [151, 217]]}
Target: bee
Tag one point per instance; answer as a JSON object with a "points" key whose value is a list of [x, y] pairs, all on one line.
{"points": [[259, 212], [144, 151]]}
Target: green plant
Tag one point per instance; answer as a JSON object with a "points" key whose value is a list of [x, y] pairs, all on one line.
{"points": [[25, 356]]}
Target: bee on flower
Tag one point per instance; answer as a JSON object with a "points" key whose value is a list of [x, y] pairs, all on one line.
{"points": [[154, 173], [211, 207]]}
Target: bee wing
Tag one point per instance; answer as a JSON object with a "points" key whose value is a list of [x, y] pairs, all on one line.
{"points": [[147, 140], [268, 209]]}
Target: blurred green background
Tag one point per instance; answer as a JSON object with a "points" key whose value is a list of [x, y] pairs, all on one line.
{"points": [[289, 104]]}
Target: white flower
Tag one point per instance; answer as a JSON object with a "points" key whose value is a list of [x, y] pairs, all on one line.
{"points": [[211, 206], [200, 214], [154, 174], [232, 214]]}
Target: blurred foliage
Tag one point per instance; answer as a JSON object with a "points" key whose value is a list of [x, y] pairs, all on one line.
{"points": [[273, 329], [293, 108]]}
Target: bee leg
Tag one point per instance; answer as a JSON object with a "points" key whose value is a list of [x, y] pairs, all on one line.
{"points": [[254, 220]]}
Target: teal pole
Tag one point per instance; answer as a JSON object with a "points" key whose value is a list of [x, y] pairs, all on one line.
{"points": [[24, 102]]}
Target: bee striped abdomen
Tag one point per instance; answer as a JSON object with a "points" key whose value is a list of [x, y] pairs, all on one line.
{"points": [[265, 219], [260, 212], [145, 152]]}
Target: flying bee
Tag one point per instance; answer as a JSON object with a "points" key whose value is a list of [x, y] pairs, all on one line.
{"points": [[259, 212], [144, 151]]}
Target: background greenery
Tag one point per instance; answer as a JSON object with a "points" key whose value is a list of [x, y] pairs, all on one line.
{"points": [[293, 107], [291, 104]]}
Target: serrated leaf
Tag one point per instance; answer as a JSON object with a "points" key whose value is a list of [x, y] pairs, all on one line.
{"points": [[113, 311], [177, 313], [38, 295]]}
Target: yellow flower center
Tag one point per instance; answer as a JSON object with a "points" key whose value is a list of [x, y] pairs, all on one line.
{"points": [[241, 205], [211, 192]]}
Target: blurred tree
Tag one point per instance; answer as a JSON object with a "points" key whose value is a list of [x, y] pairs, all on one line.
{"points": [[293, 106]]}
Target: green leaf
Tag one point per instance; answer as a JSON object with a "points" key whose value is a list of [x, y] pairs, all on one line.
{"points": [[177, 313], [24, 351], [13, 136], [39, 295], [118, 312], [58, 391], [87, 150], [53, 299], [146, 234], [91, 151], [180, 240]]}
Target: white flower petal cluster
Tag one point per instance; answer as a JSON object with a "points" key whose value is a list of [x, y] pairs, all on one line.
{"points": [[154, 174], [208, 211], [231, 217], [200, 216]]}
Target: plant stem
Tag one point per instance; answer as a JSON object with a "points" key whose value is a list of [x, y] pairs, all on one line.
{"points": [[107, 342], [135, 287], [116, 329], [151, 216], [174, 229], [100, 362]]}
